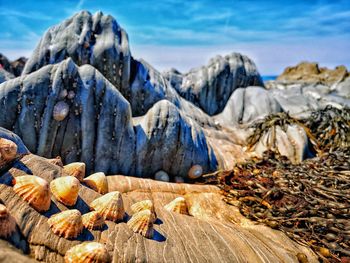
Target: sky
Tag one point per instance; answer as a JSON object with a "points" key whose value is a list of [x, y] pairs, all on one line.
{"points": [[186, 34]]}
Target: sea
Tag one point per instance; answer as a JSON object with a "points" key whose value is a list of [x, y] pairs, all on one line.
{"points": [[267, 78]]}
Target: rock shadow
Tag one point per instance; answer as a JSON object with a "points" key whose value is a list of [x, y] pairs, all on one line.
{"points": [[157, 236], [53, 210]]}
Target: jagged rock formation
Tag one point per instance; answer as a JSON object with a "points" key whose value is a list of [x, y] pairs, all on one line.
{"points": [[15, 67], [210, 87], [212, 231], [98, 128], [306, 72], [82, 96]]}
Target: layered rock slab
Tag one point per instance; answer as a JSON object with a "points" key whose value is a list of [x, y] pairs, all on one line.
{"points": [[213, 230]]}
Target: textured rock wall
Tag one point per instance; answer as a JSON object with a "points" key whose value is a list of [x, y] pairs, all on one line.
{"points": [[98, 128]]}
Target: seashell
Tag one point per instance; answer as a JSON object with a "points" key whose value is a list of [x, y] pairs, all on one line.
{"points": [[63, 94], [97, 182], [144, 205], [195, 172], [71, 95], [75, 169], [179, 179], [66, 189], [56, 161], [161, 176], [67, 224], [93, 220], [33, 190], [142, 222], [178, 205], [110, 206], [8, 151], [7, 222], [60, 111], [88, 252]]}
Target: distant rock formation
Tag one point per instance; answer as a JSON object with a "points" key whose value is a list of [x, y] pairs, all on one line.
{"points": [[15, 67], [307, 72], [209, 87]]}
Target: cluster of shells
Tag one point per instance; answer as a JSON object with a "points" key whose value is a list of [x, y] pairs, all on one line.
{"points": [[37, 192]]}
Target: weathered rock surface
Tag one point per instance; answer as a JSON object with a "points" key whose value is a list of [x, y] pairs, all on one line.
{"points": [[212, 231], [242, 106], [99, 129], [4, 75], [210, 87]]}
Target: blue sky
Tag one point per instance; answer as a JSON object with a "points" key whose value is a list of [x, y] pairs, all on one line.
{"points": [[185, 34]]}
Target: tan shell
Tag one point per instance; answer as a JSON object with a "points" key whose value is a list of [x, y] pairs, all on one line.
{"points": [[142, 222], [97, 182], [88, 252], [75, 169], [60, 111], [178, 205], [33, 190], [8, 151], [66, 189], [7, 222], [67, 224], [195, 172], [110, 206], [56, 161], [93, 220], [144, 205]]}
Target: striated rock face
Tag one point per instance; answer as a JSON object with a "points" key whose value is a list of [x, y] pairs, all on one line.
{"points": [[96, 39], [211, 86], [213, 231], [74, 112], [306, 72]]}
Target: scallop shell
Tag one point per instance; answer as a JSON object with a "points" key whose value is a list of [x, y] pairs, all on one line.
{"points": [[34, 190], [142, 222], [110, 206], [88, 252], [75, 169], [144, 205], [195, 172], [66, 189], [178, 205], [7, 222], [60, 111], [67, 224], [93, 220], [8, 151], [97, 182], [56, 161]]}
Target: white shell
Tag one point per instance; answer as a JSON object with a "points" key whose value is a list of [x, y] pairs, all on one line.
{"points": [[162, 176], [195, 172], [60, 111]]}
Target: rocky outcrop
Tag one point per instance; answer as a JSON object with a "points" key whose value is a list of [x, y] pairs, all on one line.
{"points": [[211, 231], [243, 108], [97, 126], [210, 87], [96, 39], [15, 67], [306, 72]]}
